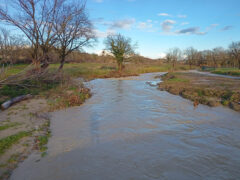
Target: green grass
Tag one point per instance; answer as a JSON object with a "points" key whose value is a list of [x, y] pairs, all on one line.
{"points": [[8, 125], [85, 70], [43, 140], [13, 69], [227, 71], [101, 70], [178, 80], [7, 142], [13, 158]]}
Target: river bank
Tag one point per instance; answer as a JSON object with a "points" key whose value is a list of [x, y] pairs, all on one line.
{"points": [[25, 126], [202, 88], [129, 129]]}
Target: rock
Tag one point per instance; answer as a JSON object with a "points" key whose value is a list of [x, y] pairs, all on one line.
{"points": [[235, 106]]}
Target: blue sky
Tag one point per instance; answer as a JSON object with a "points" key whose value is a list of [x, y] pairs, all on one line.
{"points": [[157, 25]]}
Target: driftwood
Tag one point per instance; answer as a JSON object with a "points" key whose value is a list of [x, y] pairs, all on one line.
{"points": [[10, 102]]}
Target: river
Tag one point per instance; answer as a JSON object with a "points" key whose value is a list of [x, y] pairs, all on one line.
{"points": [[129, 130]]}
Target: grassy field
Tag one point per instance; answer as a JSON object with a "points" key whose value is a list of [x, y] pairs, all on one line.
{"points": [[87, 71], [203, 89], [106, 70], [12, 70], [226, 71]]}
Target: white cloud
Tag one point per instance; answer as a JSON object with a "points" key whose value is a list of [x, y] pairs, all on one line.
{"points": [[167, 25], [161, 55], [122, 24], [164, 14], [181, 16], [212, 26], [117, 24], [144, 25], [102, 34]]}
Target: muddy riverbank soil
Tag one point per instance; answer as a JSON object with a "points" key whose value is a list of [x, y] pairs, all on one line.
{"points": [[24, 128], [200, 88]]}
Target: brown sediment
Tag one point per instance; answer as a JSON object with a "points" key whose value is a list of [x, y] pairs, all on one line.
{"points": [[32, 119], [28, 117], [208, 90]]}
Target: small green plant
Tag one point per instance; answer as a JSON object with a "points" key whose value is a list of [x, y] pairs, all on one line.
{"points": [[9, 125], [200, 92], [43, 154], [7, 142], [225, 102], [178, 80], [13, 158]]}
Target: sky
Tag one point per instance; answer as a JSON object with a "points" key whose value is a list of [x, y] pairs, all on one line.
{"points": [[158, 25]]}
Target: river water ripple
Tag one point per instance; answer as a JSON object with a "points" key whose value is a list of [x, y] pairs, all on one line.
{"points": [[129, 130]]}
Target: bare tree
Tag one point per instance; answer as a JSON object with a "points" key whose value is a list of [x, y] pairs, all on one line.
{"points": [[192, 55], [235, 51], [73, 29], [10, 46], [174, 55], [35, 19], [217, 55], [121, 47]]}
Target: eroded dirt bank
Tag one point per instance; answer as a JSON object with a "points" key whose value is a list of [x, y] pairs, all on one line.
{"points": [[24, 128], [201, 88]]}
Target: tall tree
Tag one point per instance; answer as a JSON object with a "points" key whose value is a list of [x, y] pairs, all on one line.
{"points": [[35, 19], [235, 51], [174, 55], [10, 46], [217, 55], [191, 55], [121, 47], [73, 28]]}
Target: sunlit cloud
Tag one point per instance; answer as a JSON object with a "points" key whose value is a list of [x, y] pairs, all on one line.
{"points": [[122, 24], [163, 14], [167, 25], [104, 34]]}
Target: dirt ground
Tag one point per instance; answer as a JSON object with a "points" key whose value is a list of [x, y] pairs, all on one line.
{"points": [[29, 117], [200, 88]]}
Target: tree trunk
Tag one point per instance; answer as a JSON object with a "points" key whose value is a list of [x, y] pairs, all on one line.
{"points": [[120, 67], [173, 65], [61, 63], [9, 103]]}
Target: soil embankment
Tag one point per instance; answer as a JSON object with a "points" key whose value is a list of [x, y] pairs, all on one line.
{"points": [[200, 88]]}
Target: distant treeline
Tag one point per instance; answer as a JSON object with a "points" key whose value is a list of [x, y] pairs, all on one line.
{"points": [[217, 57], [14, 50]]}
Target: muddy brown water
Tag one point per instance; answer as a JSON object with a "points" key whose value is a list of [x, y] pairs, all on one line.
{"points": [[129, 130]]}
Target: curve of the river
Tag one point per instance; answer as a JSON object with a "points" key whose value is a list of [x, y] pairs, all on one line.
{"points": [[129, 130]]}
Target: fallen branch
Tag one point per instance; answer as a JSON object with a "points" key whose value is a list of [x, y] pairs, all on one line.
{"points": [[10, 102]]}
